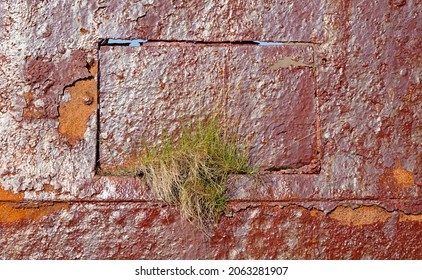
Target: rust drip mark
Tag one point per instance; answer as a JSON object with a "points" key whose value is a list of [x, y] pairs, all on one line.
{"points": [[14, 212], [287, 62], [74, 114], [10, 196], [363, 215]]}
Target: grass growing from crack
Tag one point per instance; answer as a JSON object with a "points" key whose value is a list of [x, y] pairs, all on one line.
{"points": [[192, 172]]}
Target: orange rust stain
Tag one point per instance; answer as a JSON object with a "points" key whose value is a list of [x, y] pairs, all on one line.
{"points": [[403, 177], [397, 178], [316, 213], [13, 212], [30, 111], [93, 68], [364, 215], [410, 217], [74, 115], [83, 30], [10, 196], [48, 188]]}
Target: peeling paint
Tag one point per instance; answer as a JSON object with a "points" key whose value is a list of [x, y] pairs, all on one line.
{"points": [[74, 114], [364, 215]]}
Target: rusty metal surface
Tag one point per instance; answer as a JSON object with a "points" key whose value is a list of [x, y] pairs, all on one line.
{"points": [[370, 101], [147, 231], [238, 20], [364, 202], [265, 96]]}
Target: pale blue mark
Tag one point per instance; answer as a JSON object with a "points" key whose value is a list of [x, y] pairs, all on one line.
{"points": [[139, 42], [262, 43], [132, 43]]}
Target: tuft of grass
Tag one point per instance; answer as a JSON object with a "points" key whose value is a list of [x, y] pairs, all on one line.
{"points": [[192, 172]]}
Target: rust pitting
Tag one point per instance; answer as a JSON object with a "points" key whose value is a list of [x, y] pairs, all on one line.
{"points": [[276, 144]]}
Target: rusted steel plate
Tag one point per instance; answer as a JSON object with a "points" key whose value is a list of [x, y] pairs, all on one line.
{"points": [[234, 20], [247, 231], [264, 94]]}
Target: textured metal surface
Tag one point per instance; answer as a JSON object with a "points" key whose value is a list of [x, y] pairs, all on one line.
{"points": [[147, 231], [222, 20], [364, 202], [262, 96]]}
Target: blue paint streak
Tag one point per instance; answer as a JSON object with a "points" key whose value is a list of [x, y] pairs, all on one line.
{"points": [[139, 42], [133, 43], [262, 43]]}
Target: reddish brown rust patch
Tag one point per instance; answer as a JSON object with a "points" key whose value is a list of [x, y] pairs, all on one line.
{"points": [[37, 70], [364, 215], [74, 115]]}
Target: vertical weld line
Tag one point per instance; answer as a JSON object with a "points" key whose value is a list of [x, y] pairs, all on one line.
{"points": [[317, 120], [97, 135]]}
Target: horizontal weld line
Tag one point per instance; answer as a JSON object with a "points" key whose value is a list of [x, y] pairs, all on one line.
{"points": [[230, 200], [83, 201], [326, 200], [105, 42], [205, 42]]}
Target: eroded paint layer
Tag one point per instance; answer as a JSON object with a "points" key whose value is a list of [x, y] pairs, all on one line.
{"points": [[78, 105]]}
